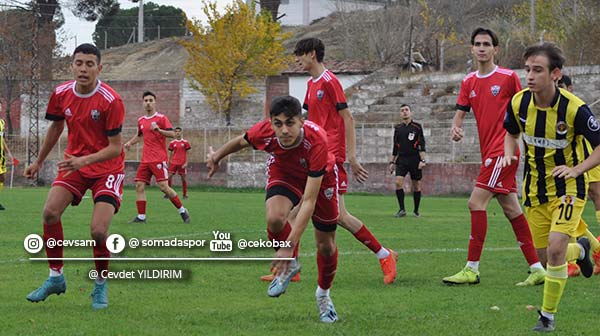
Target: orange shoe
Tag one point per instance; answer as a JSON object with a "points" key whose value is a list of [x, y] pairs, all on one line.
{"points": [[388, 266], [596, 257], [573, 270], [270, 277]]}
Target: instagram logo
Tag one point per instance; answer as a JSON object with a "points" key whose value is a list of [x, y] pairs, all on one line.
{"points": [[33, 243]]}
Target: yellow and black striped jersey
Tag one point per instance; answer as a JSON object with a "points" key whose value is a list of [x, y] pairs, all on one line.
{"points": [[552, 137]]}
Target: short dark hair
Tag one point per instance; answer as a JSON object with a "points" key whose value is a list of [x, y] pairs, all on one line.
{"points": [[148, 93], [307, 45], [287, 105], [89, 49], [403, 105], [178, 128], [555, 55], [484, 31], [566, 80]]}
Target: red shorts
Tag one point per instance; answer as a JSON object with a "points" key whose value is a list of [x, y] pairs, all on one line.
{"points": [[108, 188], [147, 169], [496, 179], [342, 178], [326, 208], [177, 169]]}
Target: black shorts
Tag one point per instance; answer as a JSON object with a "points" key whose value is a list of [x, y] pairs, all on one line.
{"points": [[409, 164]]}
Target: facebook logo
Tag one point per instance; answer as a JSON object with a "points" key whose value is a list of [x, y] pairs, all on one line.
{"points": [[115, 243]]}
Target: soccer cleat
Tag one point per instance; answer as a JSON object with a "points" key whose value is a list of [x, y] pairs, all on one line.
{"points": [[536, 277], [100, 296], [185, 197], [2, 208], [466, 276], [137, 220], [544, 324], [585, 264], [416, 214], [400, 213], [52, 285], [388, 266], [281, 282], [165, 196], [185, 216], [573, 270], [327, 313], [271, 276]]}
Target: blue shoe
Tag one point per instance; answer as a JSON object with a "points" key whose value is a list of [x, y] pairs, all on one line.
{"points": [[52, 285], [327, 313], [281, 282], [100, 296]]}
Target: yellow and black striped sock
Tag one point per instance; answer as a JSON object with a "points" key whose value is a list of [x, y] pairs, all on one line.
{"points": [[556, 280]]}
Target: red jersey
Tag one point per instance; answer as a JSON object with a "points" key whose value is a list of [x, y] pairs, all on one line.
{"points": [[324, 98], [91, 118], [309, 157], [179, 149], [155, 144], [489, 96]]}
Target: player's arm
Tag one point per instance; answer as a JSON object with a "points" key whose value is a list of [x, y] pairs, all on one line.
{"points": [[360, 173], [54, 131], [109, 152], [7, 151], [135, 139], [167, 133], [421, 149], [392, 165], [511, 139], [213, 157], [456, 132], [187, 148]]}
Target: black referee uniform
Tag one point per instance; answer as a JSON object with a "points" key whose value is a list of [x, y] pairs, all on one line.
{"points": [[408, 142]]}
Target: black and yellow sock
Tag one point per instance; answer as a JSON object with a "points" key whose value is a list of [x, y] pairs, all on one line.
{"points": [[556, 280]]}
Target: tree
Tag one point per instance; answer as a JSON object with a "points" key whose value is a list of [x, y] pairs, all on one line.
{"points": [[117, 26], [235, 48], [272, 6]]}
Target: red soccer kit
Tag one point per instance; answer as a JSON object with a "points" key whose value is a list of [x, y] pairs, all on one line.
{"points": [[179, 157], [90, 119], [154, 154], [323, 101], [488, 96], [291, 167]]}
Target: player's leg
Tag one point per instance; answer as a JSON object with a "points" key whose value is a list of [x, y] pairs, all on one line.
{"points": [[184, 186], [594, 192], [142, 178], [401, 172], [327, 255], [416, 175], [2, 173], [172, 195], [57, 201]]}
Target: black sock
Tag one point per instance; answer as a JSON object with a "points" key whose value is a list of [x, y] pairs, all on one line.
{"points": [[417, 199], [400, 197]]}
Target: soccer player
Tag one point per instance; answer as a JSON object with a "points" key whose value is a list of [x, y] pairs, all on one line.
{"points": [[94, 159], [327, 107], [301, 171], [487, 92], [594, 193], [178, 159], [4, 154], [554, 123], [408, 156], [154, 128]]}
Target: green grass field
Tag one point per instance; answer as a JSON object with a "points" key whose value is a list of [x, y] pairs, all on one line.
{"points": [[226, 297]]}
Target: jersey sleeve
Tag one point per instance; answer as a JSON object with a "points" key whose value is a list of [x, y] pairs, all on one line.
{"points": [[587, 125], [421, 141], [337, 93], [115, 117], [54, 111], [139, 128], [317, 165], [171, 146], [462, 102], [394, 144], [166, 124], [257, 133], [510, 120], [305, 104], [187, 146], [516, 83]]}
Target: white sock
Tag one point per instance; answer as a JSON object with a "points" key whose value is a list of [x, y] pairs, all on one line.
{"points": [[581, 251], [549, 316], [54, 273], [142, 216], [383, 253], [536, 267], [473, 264], [181, 210], [322, 292]]}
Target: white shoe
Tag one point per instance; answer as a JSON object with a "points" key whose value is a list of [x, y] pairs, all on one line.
{"points": [[327, 313]]}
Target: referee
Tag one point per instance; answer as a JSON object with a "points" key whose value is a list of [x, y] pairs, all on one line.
{"points": [[408, 156]]}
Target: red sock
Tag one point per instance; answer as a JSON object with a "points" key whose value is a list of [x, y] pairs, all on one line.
{"points": [[478, 232], [327, 266], [283, 235], [176, 202], [100, 251], [366, 237], [523, 234], [141, 207], [184, 186], [54, 231]]}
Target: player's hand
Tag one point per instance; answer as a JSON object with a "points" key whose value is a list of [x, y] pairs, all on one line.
{"points": [[421, 165], [391, 168], [508, 160], [10, 159], [360, 173], [282, 265], [155, 126], [127, 145], [456, 133], [32, 170], [211, 163], [565, 172], [71, 164], [184, 165]]}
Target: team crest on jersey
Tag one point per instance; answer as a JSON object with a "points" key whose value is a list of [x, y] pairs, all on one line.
{"points": [[568, 199], [593, 124], [68, 113], [320, 94], [411, 136], [495, 90], [303, 163], [561, 128], [159, 166], [328, 193], [95, 115], [488, 162]]}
